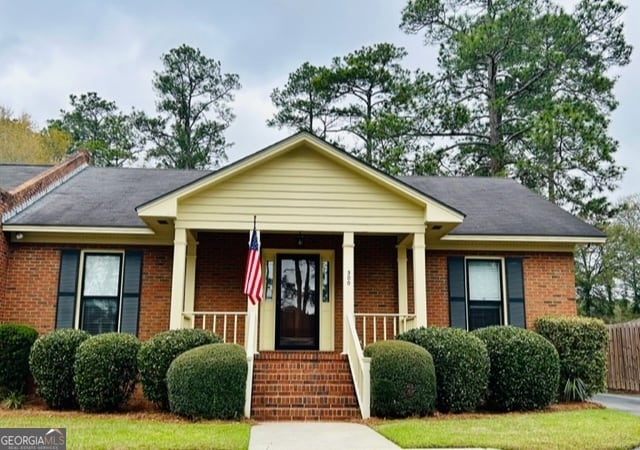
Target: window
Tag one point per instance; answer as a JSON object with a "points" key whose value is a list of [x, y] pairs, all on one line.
{"points": [[485, 291], [99, 291], [485, 305], [100, 299]]}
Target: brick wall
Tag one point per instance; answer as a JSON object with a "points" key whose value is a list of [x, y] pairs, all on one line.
{"points": [[32, 279], [548, 285], [155, 293], [32, 285]]}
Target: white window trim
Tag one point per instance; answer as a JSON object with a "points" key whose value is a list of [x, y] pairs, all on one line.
{"points": [[503, 285], [79, 287]]}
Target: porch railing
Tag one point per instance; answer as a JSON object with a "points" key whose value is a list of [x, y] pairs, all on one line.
{"points": [[229, 325], [359, 365], [380, 326]]}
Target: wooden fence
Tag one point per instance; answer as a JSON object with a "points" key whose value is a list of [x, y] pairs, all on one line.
{"points": [[624, 357]]}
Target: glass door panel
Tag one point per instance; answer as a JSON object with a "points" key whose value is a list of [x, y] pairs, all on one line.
{"points": [[297, 296]]}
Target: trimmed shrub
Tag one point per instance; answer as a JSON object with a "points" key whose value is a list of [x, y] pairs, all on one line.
{"points": [[525, 368], [581, 343], [208, 382], [15, 344], [155, 357], [403, 379], [51, 361], [461, 362], [106, 371]]}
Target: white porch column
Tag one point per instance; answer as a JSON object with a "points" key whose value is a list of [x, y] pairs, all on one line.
{"points": [[419, 279], [403, 295], [190, 277], [348, 273], [178, 279]]}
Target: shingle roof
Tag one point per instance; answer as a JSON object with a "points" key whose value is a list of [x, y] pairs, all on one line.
{"points": [[104, 197], [107, 197], [13, 175], [500, 206]]}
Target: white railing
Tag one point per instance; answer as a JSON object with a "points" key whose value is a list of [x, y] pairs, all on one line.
{"points": [[359, 365], [225, 324], [251, 349], [380, 326]]}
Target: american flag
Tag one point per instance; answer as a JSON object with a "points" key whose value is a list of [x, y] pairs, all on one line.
{"points": [[253, 270]]}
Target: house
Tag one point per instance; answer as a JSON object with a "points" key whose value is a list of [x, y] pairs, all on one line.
{"points": [[350, 255]]}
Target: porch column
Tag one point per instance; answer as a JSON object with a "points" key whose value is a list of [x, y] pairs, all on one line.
{"points": [[178, 278], [348, 302], [419, 280], [403, 296], [190, 277]]}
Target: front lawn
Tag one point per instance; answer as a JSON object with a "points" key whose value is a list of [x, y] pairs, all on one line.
{"points": [[133, 431], [587, 428]]}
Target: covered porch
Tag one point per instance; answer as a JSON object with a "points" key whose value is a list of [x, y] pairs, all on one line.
{"points": [[354, 289], [323, 276], [335, 237]]}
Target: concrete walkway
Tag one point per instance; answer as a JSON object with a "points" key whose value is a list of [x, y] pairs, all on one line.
{"points": [[621, 402], [316, 436], [319, 436], [356, 436]]}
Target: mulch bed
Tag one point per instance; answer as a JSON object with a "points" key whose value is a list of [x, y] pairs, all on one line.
{"points": [[139, 408]]}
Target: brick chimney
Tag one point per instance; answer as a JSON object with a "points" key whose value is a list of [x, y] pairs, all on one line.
{"points": [[13, 201]]}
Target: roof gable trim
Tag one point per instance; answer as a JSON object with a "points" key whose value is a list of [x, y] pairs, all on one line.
{"points": [[167, 205]]}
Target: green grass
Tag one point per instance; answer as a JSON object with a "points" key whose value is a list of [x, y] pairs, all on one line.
{"points": [[588, 428], [130, 432]]}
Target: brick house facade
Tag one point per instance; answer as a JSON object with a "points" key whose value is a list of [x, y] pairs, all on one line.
{"points": [[349, 254], [382, 263]]}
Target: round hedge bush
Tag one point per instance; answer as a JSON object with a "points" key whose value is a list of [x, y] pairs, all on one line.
{"points": [[106, 370], [461, 362], [403, 379], [155, 357], [51, 361], [15, 345], [208, 382], [525, 368]]}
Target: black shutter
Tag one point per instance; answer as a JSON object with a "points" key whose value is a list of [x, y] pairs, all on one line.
{"points": [[131, 292], [67, 287], [515, 292], [457, 304]]}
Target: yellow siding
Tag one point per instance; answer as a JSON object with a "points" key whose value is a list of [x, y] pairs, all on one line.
{"points": [[301, 190]]}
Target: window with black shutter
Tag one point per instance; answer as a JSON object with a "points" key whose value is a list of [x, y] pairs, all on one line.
{"points": [[485, 292], [108, 294]]}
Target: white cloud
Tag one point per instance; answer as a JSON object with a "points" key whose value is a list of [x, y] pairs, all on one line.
{"points": [[49, 50]]}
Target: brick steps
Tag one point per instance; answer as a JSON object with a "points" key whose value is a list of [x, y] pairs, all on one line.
{"points": [[301, 385], [304, 414]]}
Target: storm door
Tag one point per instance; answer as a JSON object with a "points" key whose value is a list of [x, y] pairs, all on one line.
{"points": [[297, 315]]}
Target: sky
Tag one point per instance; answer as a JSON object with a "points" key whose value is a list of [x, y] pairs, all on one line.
{"points": [[51, 49]]}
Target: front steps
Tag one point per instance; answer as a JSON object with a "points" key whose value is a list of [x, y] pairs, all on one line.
{"points": [[303, 385]]}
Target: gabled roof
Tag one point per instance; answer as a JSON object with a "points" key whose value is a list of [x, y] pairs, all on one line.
{"points": [[103, 197], [118, 197], [437, 210], [13, 175], [502, 207]]}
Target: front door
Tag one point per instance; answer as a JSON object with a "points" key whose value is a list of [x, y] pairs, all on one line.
{"points": [[297, 309]]}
